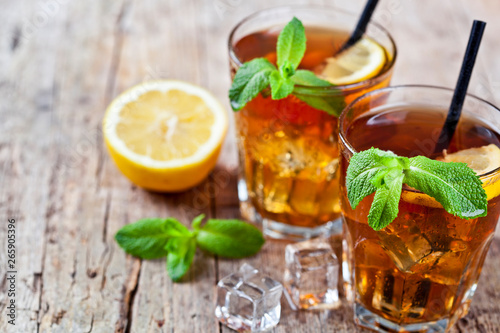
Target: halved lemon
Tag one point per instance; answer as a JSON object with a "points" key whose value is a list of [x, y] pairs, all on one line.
{"points": [[165, 135], [361, 61], [482, 160]]}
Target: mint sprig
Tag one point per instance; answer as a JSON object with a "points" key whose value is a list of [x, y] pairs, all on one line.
{"points": [[249, 81], [454, 185], [256, 75], [155, 238], [291, 47]]}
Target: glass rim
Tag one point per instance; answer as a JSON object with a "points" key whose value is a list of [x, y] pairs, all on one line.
{"points": [[368, 82], [342, 116]]}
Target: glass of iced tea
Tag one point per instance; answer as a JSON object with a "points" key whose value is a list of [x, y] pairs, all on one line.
{"points": [[420, 272], [288, 150]]}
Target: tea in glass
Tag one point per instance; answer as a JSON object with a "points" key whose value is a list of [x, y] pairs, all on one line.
{"points": [[420, 272], [288, 150]]}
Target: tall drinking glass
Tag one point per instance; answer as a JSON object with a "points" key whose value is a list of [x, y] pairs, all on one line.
{"points": [[288, 150], [420, 272]]}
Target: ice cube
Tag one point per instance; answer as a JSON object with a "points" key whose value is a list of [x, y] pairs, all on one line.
{"points": [[311, 275], [276, 193], [248, 300], [303, 196], [407, 247], [386, 293]]}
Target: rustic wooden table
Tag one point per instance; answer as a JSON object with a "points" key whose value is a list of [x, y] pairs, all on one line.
{"points": [[62, 62]]}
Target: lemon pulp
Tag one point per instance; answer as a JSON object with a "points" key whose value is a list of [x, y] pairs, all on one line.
{"points": [[165, 135], [360, 62]]}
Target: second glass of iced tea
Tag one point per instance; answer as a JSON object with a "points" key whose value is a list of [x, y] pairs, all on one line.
{"points": [[288, 150], [420, 272]]}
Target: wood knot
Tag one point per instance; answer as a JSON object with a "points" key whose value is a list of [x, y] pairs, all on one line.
{"points": [[91, 273]]}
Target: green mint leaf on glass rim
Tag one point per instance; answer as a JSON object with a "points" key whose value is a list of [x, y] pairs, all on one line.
{"points": [[280, 87], [230, 238], [180, 256], [258, 74], [307, 78], [331, 103], [385, 204], [250, 79], [291, 46], [146, 238], [454, 185], [364, 168]]}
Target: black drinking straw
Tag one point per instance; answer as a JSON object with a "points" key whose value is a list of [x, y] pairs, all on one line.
{"points": [[457, 101], [361, 26]]}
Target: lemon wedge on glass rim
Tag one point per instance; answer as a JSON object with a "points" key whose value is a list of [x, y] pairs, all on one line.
{"points": [[165, 135], [482, 160], [359, 62]]}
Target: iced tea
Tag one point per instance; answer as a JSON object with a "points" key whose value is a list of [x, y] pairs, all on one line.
{"points": [[421, 271], [288, 150]]}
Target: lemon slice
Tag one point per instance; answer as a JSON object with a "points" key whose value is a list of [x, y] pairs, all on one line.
{"points": [[361, 61], [165, 135], [482, 160]]}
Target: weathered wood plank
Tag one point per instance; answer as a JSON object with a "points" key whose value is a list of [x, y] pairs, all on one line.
{"points": [[76, 297], [64, 78], [27, 95], [162, 44]]}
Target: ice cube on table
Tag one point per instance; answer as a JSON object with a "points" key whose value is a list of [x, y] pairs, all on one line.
{"points": [[311, 275], [248, 300]]}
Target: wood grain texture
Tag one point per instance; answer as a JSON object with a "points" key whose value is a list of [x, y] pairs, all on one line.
{"points": [[62, 62]]}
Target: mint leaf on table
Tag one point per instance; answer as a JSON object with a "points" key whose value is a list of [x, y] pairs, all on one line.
{"points": [[291, 45], [146, 238], [250, 79], [454, 185], [196, 223], [155, 238], [230, 238], [258, 74], [180, 257]]}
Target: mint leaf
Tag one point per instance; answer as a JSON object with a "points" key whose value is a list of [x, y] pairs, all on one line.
{"points": [[454, 185], [256, 75], [385, 204], [147, 238], [155, 238], [280, 87], [291, 44], [307, 78], [363, 167], [196, 223], [180, 256], [333, 105], [230, 238], [286, 70], [250, 79]]}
